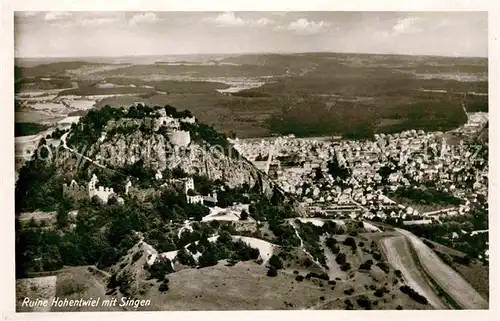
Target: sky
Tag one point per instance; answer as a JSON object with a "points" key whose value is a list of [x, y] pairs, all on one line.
{"points": [[124, 33]]}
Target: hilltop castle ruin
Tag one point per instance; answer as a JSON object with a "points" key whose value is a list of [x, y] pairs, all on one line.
{"points": [[77, 192], [197, 199]]}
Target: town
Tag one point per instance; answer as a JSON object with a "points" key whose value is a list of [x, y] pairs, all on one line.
{"points": [[364, 179]]}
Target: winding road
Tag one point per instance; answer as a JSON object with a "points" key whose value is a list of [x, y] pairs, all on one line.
{"points": [[425, 272], [450, 281]]}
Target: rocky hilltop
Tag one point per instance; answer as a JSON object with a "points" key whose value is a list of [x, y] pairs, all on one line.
{"points": [[160, 139], [158, 154]]}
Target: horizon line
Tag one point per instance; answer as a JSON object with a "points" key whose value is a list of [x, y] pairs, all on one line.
{"points": [[251, 53]]}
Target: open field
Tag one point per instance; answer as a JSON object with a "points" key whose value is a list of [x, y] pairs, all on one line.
{"points": [[43, 288], [48, 217], [80, 282]]}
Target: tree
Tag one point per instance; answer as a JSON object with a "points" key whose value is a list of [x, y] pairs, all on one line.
{"points": [[167, 245], [62, 217], [330, 242], [224, 237], [172, 111], [275, 262], [185, 258], [244, 215], [208, 258], [350, 242]]}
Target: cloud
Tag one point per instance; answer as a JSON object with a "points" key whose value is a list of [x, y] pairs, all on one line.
{"points": [[96, 21], [27, 13], [307, 27], [148, 17], [56, 15], [406, 25], [261, 22], [80, 19], [229, 19]]}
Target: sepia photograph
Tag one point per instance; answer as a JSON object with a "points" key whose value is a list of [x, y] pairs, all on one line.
{"points": [[251, 160]]}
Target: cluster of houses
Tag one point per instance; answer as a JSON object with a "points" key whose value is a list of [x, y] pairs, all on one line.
{"points": [[413, 157]]}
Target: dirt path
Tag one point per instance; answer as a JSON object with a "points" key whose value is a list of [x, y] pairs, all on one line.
{"points": [[80, 156], [304, 249], [448, 279]]}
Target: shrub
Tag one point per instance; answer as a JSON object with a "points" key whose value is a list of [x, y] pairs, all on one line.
{"points": [[383, 266], [335, 249], [341, 258], [349, 291], [364, 302], [112, 282], [72, 286], [272, 272], [462, 260], [367, 265], [160, 268], [349, 241], [429, 244], [299, 278], [125, 282], [413, 294], [137, 255], [322, 276], [345, 267], [164, 286]]}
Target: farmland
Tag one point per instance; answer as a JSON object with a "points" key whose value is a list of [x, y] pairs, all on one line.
{"points": [[304, 94]]}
